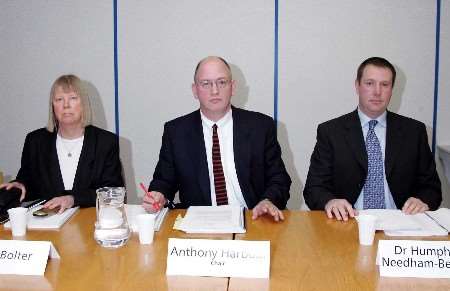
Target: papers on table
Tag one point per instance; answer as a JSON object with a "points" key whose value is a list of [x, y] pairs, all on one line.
{"points": [[133, 210], [213, 219], [395, 223], [27, 204], [442, 217], [54, 221]]}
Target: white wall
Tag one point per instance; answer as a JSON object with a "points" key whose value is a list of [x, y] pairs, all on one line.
{"points": [[321, 43], [41, 40]]}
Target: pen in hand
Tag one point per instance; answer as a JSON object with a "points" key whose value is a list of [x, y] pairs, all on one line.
{"points": [[154, 204]]}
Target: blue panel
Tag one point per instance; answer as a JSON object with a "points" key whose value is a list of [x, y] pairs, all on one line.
{"points": [[275, 66], [116, 71], [436, 74]]}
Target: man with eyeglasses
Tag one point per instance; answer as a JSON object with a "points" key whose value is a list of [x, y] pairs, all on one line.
{"points": [[220, 154]]}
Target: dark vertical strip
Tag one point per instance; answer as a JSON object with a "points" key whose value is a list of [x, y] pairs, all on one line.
{"points": [[436, 74], [275, 67], [116, 71]]}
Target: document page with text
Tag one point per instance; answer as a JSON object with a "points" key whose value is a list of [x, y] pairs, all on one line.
{"points": [[214, 219]]}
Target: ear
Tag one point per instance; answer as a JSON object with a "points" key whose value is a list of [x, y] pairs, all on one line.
{"points": [[194, 90], [233, 87], [357, 87]]}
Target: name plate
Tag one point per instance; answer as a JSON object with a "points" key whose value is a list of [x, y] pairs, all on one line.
{"points": [[218, 258], [20, 257], [410, 258]]}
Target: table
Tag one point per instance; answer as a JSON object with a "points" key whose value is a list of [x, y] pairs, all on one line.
{"points": [[308, 252], [85, 265], [311, 252]]}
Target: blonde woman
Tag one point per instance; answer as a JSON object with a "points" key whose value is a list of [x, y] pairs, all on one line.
{"points": [[68, 160]]}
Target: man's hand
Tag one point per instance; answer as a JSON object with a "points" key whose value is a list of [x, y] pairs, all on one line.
{"points": [[153, 201], [414, 205], [17, 185], [340, 208], [267, 207], [61, 202]]}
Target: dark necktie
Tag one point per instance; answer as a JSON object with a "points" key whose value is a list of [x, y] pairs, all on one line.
{"points": [[374, 186], [219, 178]]}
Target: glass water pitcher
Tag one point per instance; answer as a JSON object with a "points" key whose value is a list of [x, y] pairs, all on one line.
{"points": [[111, 227]]}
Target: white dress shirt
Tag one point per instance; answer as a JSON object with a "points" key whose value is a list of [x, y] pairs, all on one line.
{"points": [[69, 151], [380, 132], [225, 134]]}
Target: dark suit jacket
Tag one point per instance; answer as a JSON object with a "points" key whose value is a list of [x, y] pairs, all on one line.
{"points": [[183, 166], [99, 166], [338, 166]]}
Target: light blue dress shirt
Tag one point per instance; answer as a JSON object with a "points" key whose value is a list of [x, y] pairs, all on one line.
{"points": [[380, 131]]}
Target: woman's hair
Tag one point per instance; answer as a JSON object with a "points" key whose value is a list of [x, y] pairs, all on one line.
{"points": [[69, 83]]}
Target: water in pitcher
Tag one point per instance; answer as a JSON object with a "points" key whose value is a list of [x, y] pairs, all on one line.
{"points": [[111, 227]]}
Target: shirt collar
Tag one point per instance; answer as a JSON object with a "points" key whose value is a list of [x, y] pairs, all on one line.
{"points": [[220, 123], [364, 119]]}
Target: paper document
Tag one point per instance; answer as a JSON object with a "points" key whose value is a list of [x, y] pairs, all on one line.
{"points": [[395, 223], [441, 217], [214, 219], [133, 210], [54, 221]]}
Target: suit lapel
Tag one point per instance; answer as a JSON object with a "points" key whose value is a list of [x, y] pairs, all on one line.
{"points": [[394, 141], [197, 152], [87, 156], [241, 148], [355, 138], [55, 170]]}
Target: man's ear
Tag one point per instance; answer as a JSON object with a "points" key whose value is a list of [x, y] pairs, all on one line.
{"points": [[357, 87], [233, 87], [194, 90]]}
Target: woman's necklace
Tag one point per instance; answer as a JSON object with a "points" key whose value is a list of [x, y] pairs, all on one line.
{"points": [[70, 146]]}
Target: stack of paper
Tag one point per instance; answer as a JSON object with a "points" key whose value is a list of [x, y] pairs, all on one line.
{"points": [[214, 219], [54, 221], [134, 210], [395, 223], [442, 217]]}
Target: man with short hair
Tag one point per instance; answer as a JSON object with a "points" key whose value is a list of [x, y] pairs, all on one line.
{"points": [[371, 157], [220, 154]]}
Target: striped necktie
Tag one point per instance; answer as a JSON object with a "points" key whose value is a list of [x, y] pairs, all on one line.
{"points": [[219, 178]]}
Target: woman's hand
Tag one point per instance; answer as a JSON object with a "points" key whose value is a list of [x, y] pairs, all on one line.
{"points": [[17, 185], [63, 202]]}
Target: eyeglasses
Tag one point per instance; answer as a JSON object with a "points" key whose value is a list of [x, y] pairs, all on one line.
{"points": [[208, 84]]}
